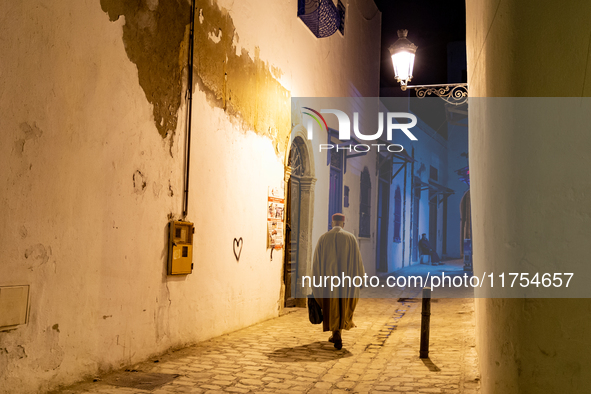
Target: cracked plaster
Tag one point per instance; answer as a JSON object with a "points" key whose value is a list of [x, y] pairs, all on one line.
{"points": [[155, 35]]}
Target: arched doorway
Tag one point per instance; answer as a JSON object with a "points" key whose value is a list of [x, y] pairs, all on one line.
{"points": [[466, 230], [298, 237], [466, 220]]}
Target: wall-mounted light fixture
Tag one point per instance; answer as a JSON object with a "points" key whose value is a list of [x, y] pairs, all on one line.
{"points": [[403, 58]]}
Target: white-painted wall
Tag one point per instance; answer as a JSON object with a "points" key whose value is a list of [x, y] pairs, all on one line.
{"points": [[352, 179], [92, 247], [522, 189], [429, 149]]}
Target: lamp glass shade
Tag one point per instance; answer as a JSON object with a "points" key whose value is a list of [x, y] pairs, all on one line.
{"points": [[403, 58], [403, 64]]}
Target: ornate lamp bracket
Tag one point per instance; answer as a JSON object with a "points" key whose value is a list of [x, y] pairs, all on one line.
{"points": [[455, 93]]}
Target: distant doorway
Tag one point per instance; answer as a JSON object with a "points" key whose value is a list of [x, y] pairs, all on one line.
{"points": [[433, 197], [335, 194], [465, 220], [416, 203], [383, 217]]}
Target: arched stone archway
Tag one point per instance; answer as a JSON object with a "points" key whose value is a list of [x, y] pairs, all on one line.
{"points": [[465, 220], [300, 181]]}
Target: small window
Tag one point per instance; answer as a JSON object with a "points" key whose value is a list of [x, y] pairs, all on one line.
{"points": [[296, 161], [336, 159], [346, 196], [433, 173], [397, 215]]}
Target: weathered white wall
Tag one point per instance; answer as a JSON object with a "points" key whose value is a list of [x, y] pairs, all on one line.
{"points": [[524, 208], [367, 245], [356, 77], [352, 179], [88, 237], [430, 147]]}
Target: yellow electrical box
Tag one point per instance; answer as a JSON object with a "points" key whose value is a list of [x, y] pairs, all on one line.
{"points": [[180, 248]]}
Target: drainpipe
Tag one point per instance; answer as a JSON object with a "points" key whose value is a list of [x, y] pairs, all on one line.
{"points": [[412, 206], [404, 216], [190, 110]]}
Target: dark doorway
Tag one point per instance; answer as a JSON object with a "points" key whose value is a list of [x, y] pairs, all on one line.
{"points": [[383, 217], [335, 197], [416, 203], [292, 221], [465, 220], [433, 219], [365, 204], [444, 226]]}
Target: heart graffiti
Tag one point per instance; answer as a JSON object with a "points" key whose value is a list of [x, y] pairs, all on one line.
{"points": [[238, 247]]}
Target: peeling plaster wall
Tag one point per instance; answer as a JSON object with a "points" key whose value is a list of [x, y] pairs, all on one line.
{"points": [[239, 82], [539, 213], [152, 35], [93, 120]]}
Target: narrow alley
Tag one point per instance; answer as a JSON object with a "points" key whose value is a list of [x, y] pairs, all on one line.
{"points": [[179, 176], [288, 354]]}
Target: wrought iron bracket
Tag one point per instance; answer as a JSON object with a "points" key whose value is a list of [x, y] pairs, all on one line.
{"points": [[453, 93]]}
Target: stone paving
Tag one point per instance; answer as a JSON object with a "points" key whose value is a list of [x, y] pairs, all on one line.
{"points": [[289, 355]]}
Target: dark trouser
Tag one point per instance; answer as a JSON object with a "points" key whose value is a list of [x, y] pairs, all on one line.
{"points": [[325, 305], [435, 257]]}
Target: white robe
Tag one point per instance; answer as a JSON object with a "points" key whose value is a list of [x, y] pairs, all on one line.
{"points": [[337, 255]]}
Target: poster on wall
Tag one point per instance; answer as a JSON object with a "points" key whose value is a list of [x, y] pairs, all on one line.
{"points": [[275, 212]]}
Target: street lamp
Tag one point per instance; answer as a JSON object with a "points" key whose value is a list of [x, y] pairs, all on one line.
{"points": [[403, 58]]}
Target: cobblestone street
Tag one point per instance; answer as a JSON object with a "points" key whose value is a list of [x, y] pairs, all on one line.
{"points": [[288, 354]]}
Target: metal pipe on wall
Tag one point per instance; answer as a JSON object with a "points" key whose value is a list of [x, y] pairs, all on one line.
{"points": [[190, 111], [412, 209], [404, 216]]}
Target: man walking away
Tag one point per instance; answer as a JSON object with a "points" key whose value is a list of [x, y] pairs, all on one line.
{"points": [[337, 256]]}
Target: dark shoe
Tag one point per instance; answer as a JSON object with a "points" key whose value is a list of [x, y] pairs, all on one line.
{"points": [[338, 344], [337, 340], [332, 339]]}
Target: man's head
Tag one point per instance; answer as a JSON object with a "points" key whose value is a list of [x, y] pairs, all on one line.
{"points": [[338, 219], [424, 235]]}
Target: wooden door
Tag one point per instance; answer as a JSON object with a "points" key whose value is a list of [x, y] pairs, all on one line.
{"points": [[292, 224], [292, 216]]}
